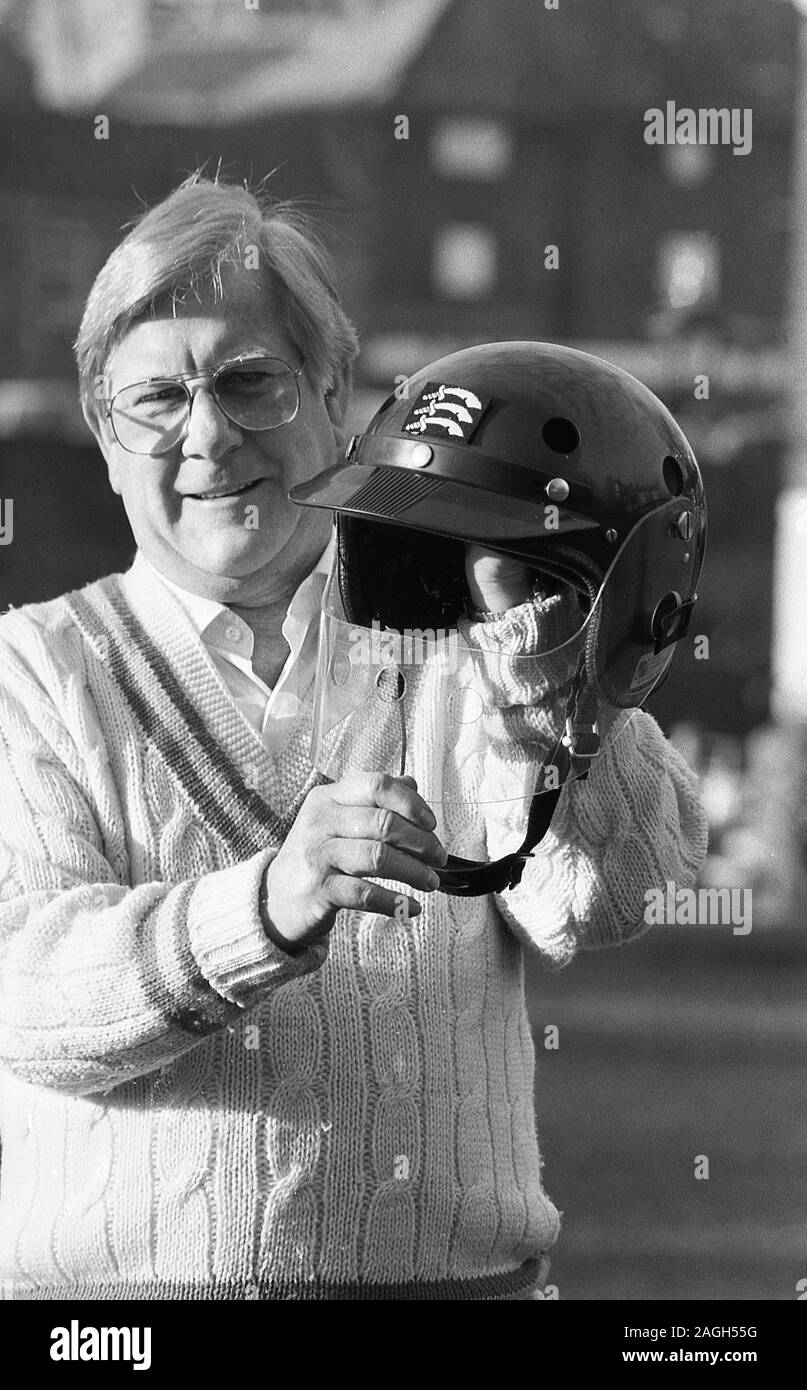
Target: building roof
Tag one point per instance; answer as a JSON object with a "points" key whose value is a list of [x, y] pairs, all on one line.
{"points": [[601, 55], [196, 64], [155, 61]]}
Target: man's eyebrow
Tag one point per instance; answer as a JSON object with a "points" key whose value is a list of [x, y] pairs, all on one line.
{"points": [[148, 372]]}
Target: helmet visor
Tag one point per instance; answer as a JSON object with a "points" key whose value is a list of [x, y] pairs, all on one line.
{"points": [[450, 714], [478, 720]]}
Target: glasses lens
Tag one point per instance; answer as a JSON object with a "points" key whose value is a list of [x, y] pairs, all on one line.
{"points": [[259, 394], [150, 416]]}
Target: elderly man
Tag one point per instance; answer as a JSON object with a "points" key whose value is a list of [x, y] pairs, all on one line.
{"points": [[199, 944]]}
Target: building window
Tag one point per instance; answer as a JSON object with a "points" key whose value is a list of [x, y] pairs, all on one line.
{"points": [[469, 148], [689, 269], [688, 166], [464, 261]]}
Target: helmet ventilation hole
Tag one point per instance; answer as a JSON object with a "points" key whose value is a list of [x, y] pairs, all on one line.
{"points": [[561, 435], [673, 476]]}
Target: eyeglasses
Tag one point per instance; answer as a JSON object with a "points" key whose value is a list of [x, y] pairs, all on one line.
{"points": [[255, 393]]}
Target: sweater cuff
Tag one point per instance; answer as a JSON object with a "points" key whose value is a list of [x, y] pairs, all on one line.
{"points": [[228, 938], [513, 668], [538, 625]]}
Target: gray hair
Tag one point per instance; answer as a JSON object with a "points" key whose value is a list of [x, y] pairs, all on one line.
{"points": [[181, 247]]}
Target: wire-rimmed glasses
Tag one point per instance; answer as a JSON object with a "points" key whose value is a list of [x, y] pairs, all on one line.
{"points": [[256, 393]]}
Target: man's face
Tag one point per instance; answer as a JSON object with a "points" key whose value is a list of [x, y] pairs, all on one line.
{"points": [[249, 546]]}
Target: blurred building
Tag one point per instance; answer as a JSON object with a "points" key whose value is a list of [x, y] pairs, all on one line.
{"points": [[485, 175], [459, 141]]}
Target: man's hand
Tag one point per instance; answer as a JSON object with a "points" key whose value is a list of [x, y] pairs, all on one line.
{"points": [[496, 582], [371, 824]]}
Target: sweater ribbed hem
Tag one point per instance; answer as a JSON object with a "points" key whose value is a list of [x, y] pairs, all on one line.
{"points": [[540, 624], [504, 1284], [228, 939], [514, 647]]}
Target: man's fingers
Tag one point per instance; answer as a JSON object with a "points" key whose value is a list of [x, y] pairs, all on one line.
{"points": [[378, 823], [381, 789], [379, 860], [360, 896]]}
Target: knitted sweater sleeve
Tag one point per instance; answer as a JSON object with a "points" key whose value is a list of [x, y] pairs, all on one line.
{"points": [[635, 822], [102, 981]]}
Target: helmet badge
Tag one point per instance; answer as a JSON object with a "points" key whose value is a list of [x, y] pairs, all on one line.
{"points": [[447, 411]]}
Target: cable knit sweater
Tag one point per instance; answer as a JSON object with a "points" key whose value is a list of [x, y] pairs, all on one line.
{"points": [[186, 1110]]}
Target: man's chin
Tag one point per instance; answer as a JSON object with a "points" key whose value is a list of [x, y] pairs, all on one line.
{"points": [[220, 561], [215, 564], [229, 565]]}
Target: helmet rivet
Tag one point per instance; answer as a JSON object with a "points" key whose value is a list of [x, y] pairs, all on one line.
{"points": [[685, 557], [420, 455], [611, 536], [557, 489], [683, 525]]}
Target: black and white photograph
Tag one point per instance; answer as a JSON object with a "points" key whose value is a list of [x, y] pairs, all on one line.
{"points": [[403, 665]]}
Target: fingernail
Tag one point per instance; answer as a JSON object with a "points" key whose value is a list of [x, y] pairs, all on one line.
{"points": [[433, 881], [442, 855], [428, 819], [415, 908]]}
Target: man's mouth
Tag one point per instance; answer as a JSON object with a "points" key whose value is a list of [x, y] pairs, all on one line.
{"points": [[213, 494]]}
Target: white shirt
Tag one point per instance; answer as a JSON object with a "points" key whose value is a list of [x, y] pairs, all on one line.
{"points": [[230, 643]]}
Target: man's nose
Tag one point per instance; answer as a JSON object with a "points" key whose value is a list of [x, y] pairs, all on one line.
{"points": [[209, 433]]}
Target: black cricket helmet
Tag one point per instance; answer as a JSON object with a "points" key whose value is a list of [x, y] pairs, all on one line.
{"points": [[543, 453]]}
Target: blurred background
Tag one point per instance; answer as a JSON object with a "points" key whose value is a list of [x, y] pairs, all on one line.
{"points": [[447, 146]]}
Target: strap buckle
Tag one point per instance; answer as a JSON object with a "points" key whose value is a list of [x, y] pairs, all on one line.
{"points": [[582, 740], [517, 868], [466, 878]]}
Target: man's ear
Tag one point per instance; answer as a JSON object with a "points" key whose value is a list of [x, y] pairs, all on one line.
{"points": [[337, 400], [104, 442]]}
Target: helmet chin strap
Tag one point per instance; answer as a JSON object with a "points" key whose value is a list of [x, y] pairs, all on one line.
{"points": [[471, 878], [580, 739], [468, 878]]}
